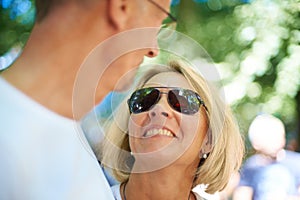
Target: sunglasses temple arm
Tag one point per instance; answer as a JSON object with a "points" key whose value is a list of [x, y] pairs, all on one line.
{"points": [[128, 106], [204, 106]]}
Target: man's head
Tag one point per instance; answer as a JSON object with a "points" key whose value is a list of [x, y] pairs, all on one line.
{"points": [[120, 33], [267, 134], [158, 10], [104, 17]]}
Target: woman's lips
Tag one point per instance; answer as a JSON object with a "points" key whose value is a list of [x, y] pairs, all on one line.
{"points": [[159, 131]]}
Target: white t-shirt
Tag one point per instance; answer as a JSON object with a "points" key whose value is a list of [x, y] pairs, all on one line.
{"points": [[44, 156], [116, 191]]}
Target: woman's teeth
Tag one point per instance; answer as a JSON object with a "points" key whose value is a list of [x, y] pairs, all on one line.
{"points": [[153, 132]]}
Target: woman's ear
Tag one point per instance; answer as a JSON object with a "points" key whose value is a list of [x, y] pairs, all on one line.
{"points": [[207, 142], [118, 13]]}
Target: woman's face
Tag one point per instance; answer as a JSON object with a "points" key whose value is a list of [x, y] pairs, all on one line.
{"points": [[162, 136]]}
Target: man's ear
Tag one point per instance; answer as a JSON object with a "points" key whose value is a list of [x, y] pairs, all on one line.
{"points": [[207, 142], [118, 13]]}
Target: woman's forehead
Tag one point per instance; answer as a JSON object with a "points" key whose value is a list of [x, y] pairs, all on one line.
{"points": [[168, 79]]}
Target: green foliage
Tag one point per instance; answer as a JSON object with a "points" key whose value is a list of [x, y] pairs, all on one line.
{"points": [[256, 47], [15, 28]]}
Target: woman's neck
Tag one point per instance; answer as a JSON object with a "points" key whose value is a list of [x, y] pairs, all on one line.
{"points": [[162, 184]]}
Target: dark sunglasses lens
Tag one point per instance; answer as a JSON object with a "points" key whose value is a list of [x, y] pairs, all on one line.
{"points": [[142, 100], [184, 101]]}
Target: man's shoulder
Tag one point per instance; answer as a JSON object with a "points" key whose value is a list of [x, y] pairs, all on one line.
{"points": [[292, 154], [291, 161]]}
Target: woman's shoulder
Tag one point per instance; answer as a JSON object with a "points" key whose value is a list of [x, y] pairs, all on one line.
{"points": [[198, 197], [116, 191], [206, 196]]}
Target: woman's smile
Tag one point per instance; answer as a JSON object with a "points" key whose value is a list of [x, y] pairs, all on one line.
{"points": [[160, 132]]}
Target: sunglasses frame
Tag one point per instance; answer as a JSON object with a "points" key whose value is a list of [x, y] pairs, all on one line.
{"points": [[159, 97], [163, 10]]}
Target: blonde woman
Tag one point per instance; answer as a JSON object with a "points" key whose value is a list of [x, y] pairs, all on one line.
{"points": [[172, 133]]}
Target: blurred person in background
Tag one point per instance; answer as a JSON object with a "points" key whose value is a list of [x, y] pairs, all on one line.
{"points": [[43, 152], [272, 172], [169, 135]]}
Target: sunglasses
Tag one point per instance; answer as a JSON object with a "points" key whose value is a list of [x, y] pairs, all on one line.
{"points": [[181, 100]]}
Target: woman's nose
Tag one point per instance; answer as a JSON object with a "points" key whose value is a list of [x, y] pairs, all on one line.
{"points": [[162, 108]]}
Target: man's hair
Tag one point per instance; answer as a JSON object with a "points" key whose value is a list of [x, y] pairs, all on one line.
{"points": [[44, 7]]}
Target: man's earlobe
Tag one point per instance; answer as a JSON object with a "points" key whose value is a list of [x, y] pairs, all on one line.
{"points": [[118, 13]]}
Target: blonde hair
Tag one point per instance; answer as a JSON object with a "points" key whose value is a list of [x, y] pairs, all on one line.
{"points": [[227, 152]]}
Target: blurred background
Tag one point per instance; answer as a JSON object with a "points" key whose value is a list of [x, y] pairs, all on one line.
{"points": [[255, 45]]}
